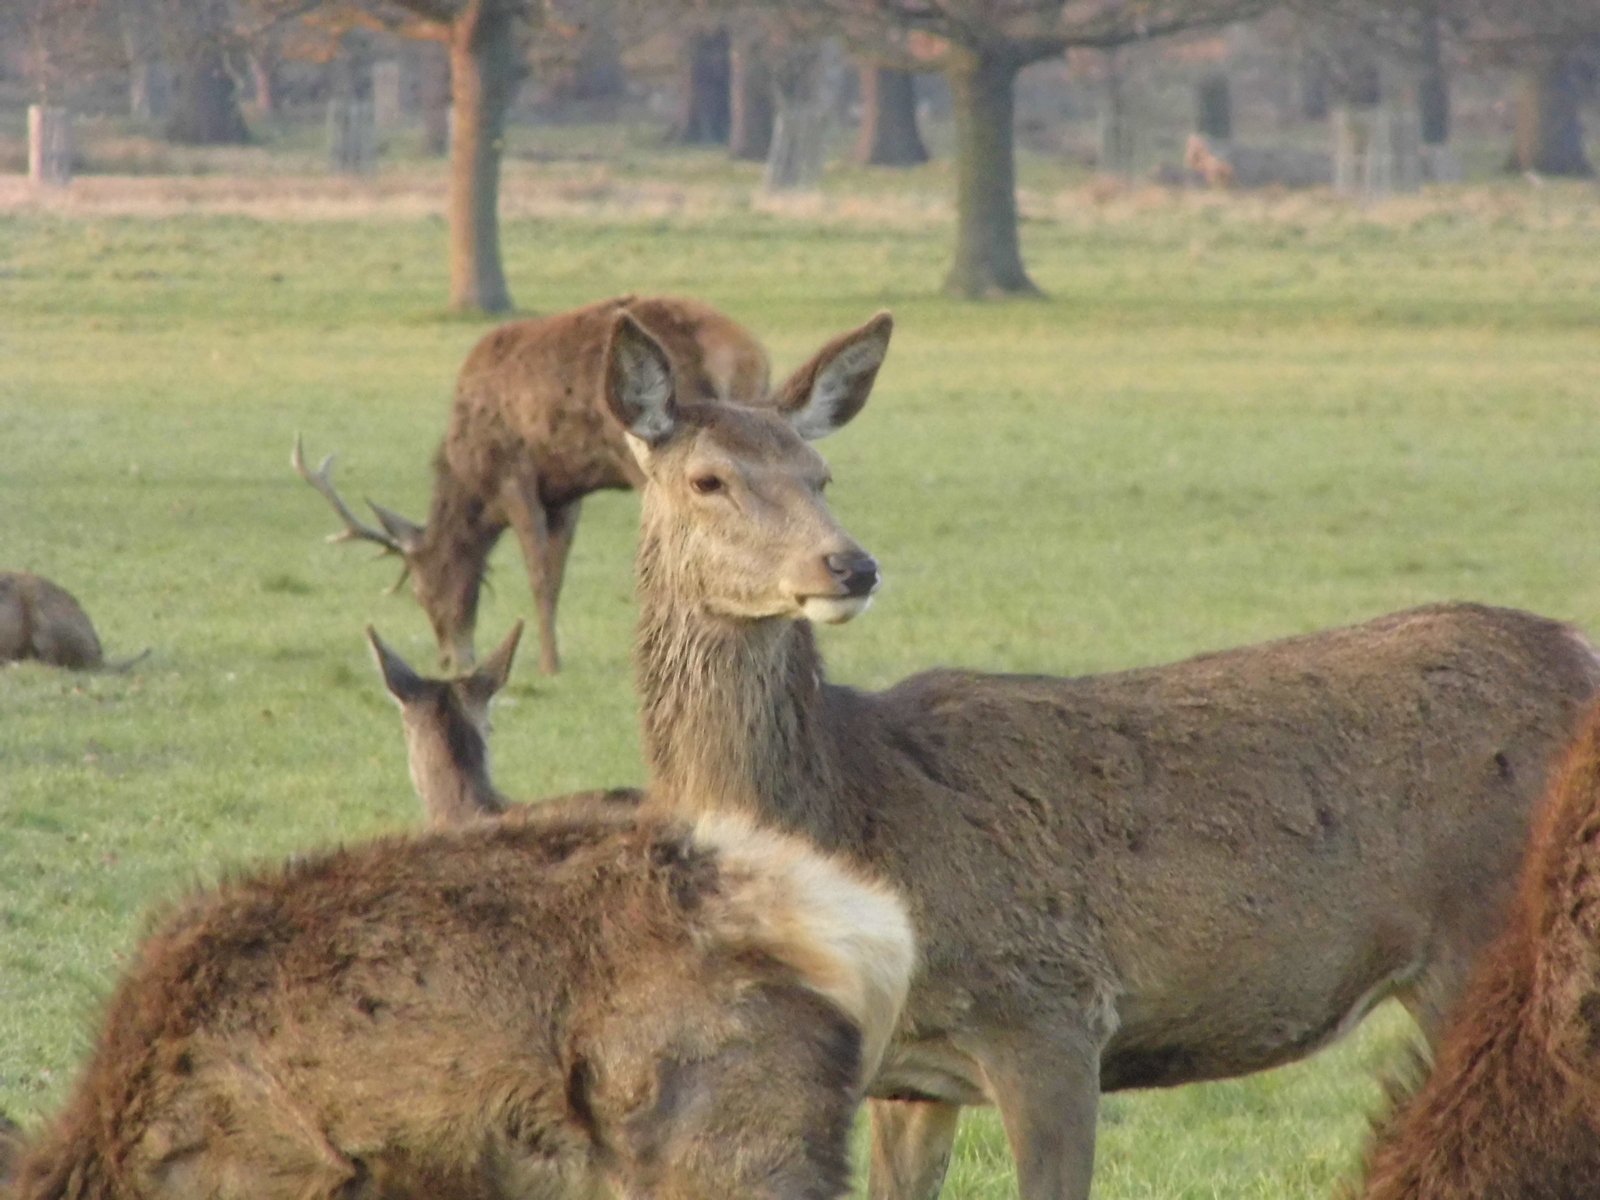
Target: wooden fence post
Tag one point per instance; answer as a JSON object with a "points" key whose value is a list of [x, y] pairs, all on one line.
{"points": [[49, 146]]}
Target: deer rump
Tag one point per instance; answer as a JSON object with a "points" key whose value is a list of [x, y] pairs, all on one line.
{"points": [[509, 1010]]}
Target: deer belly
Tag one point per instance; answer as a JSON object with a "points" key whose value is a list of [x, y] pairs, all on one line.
{"points": [[1256, 1028]]}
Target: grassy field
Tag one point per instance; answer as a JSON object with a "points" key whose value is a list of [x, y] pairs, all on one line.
{"points": [[1231, 420]]}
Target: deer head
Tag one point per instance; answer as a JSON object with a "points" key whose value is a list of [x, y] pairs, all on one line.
{"points": [[737, 493], [447, 730], [444, 580]]}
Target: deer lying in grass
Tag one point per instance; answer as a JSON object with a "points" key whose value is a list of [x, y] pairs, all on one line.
{"points": [[1512, 1108], [528, 438], [446, 725], [40, 620], [1139, 879], [514, 1009]]}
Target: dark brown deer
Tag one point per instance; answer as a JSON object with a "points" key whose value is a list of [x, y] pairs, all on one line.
{"points": [[513, 1009], [1130, 880], [40, 620], [1512, 1108], [528, 438], [446, 725]]}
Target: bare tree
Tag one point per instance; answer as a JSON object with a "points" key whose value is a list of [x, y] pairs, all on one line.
{"points": [[985, 45], [889, 136]]}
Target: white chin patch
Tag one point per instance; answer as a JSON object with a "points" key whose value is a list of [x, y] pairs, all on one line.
{"points": [[833, 610]]}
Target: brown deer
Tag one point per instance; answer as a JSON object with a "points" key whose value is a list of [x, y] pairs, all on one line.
{"points": [[528, 438], [1138, 879], [446, 725], [1512, 1108], [512, 1009], [1211, 167], [40, 620]]}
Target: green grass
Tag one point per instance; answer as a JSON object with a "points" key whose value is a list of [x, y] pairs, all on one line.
{"points": [[1230, 421]]}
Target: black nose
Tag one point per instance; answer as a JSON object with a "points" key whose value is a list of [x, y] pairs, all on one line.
{"points": [[856, 571]]}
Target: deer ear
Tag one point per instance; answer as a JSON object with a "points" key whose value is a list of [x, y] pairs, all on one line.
{"points": [[404, 684], [830, 389], [492, 673], [639, 386]]}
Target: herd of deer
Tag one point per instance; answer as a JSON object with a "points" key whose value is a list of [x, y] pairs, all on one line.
{"points": [[967, 889]]}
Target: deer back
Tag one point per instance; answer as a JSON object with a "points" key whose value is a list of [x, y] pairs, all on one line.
{"points": [[688, 1012], [41, 620]]}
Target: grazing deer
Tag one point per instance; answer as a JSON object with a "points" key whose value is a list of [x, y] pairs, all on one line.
{"points": [[1139, 879], [1512, 1108], [447, 744], [40, 620], [529, 438], [512, 1009]]}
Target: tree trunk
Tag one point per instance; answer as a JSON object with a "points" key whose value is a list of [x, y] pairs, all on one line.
{"points": [[1549, 134], [889, 135], [806, 87], [205, 105], [434, 97], [485, 71], [750, 94], [595, 76], [988, 258], [1433, 86], [149, 81], [1313, 85], [1213, 108], [704, 118]]}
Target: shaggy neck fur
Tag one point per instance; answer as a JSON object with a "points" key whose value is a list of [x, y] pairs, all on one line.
{"points": [[734, 711]]}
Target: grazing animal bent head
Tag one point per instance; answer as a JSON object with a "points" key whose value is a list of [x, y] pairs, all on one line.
{"points": [[527, 439], [1512, 1106], [511, 1009], [732, 489]]}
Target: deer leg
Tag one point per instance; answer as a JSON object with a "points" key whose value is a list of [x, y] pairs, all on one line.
{"points": [[911, 1142], [531, 520], [562, 524], [1047, 1088]]}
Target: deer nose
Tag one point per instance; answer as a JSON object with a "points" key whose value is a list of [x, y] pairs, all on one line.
{"points": [[856, 571]]}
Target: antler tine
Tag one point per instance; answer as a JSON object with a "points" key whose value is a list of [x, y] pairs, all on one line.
{"points": [[354, 529]]}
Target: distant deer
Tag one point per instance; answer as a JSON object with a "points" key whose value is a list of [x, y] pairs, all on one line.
{"points": [[1216, 171], [1512, 1108], [1140, 879], [509, 1010], [40, 620], [447, 746], [528, 438]]}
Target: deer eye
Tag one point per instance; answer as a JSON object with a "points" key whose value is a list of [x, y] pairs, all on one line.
{"points": [[706, 485]]}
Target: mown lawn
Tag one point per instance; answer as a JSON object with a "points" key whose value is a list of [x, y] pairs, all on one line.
{"points": [[1228, 422]]}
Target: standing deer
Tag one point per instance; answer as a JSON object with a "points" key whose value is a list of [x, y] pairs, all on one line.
{"points": [[1139, 879], [1512, 1108], [446, 725], [510, 1010], [40, 620], [528, 438]]}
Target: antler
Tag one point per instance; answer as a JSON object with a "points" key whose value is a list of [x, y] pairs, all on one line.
{"points": [[354, 528]]}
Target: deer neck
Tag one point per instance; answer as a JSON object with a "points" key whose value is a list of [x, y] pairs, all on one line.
{"points": [[453, 791], [734, 712]]}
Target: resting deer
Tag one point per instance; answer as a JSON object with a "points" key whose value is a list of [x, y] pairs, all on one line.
{"points": [[40, 620], [513, 1009], [1512, 1108], [528, 438], [1130, 880], [447, 725], [1211, 167]]}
